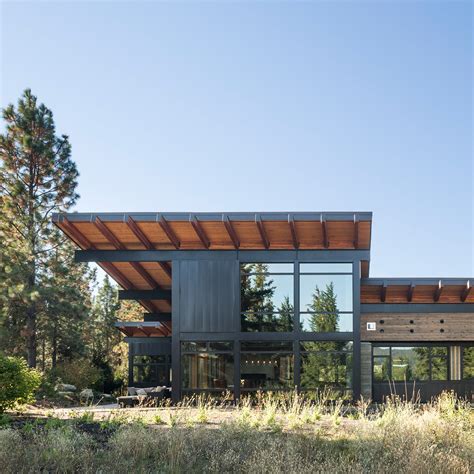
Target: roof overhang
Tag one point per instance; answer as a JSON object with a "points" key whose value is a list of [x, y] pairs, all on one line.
{"points": [[218, 231], [144, 328], [416, 290]]}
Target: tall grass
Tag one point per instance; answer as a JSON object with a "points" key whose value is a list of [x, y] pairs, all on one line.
{"points": [[269, 433]]}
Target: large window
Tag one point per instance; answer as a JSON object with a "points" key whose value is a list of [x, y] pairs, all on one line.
{"points": [[207, 365], [151, 369], [468, 362], [326, 297], [266, 365], [400, 363], [326, 364], [266, 297]]}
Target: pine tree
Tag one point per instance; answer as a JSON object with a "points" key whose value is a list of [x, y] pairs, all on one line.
{"points": [[322, 364], [37, 178]]}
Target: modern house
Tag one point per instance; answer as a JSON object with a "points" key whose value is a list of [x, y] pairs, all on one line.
{"points": [[240, 302]]}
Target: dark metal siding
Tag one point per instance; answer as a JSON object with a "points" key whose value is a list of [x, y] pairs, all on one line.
{"points": [[208, 295], [157, 346]]}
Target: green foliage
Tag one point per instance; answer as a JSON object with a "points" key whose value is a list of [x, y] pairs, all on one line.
{"points": [[37, 177], [18, 383], [79, 372]]}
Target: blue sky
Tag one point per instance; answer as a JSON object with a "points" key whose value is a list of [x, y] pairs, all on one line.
{"points": [[324, 106]]}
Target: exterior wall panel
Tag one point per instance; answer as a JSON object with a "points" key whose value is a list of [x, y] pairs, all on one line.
{"points": [[207, 297], [419, 327]]}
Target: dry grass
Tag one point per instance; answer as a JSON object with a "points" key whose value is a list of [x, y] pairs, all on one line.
{"points": [[274, 433]]}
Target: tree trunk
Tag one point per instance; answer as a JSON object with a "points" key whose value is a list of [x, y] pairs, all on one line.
{"points": [[54, 344], [31, 325]]}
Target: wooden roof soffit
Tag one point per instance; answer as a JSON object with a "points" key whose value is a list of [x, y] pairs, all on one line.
{"points": [[77, 236], [356, 232], [199, 231], [383, 296], [166, 267], [108, 234], [262, 231], [438, 291], [294, 234], [467, 291], [411, 291], [115, 274], [139, 234], [325, 232], [144, 274], [168, 231], [231, 231]]}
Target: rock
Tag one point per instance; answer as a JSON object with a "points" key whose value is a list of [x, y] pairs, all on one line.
{"points": [[65, 394], [65, 387], [87, 393]]}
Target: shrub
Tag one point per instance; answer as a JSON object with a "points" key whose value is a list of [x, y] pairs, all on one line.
{"points": [[18, 382], [78, 372]]}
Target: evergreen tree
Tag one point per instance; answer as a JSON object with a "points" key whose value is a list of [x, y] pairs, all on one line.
{"points": [[106, 306], [65, 308], [321, 364], [256, 291], [37, 178]]}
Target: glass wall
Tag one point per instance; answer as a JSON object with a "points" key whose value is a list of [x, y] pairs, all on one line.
{"points": [[266, 297], [207, 366], [468, 363], [326, 297], [151, 369], [403, 363], [326, 364], [266, 365]]}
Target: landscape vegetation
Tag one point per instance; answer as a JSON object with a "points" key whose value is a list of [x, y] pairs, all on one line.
{"points": [[57, 329]]}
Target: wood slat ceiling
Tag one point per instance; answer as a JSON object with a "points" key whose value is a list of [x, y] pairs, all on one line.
{"points": [[158, 330], [255, 234], [416, 293]]}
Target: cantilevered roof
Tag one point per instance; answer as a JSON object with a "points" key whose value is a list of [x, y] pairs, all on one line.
{"points": [[144, 328], [207, 231], [417, 290], [218, 231]]}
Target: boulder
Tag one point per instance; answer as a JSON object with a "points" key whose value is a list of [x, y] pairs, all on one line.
{"points": [[65, 387], [87, 393]]}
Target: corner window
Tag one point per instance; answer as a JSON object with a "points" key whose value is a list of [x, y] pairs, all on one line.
{"points": [[404, 363], [468, 362], [151, 369], [326, 296], [266, 297]]}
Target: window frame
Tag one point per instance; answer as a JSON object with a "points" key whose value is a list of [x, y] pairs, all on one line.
{"points": [[207, 351], [429, 346]]}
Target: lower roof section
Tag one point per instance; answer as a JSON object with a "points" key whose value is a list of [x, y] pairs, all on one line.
{"points": [[144, 328], [416, 290]]}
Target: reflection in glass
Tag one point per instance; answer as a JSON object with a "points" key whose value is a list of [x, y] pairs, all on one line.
{"points": [[400, 363], [326, 364], [468, 362], [274, 322], [207, 371], [330, 293], [266, 299], [381, 366], [151, 369], [266, 371], [266, 346], [326, 268], [326, 322]]}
